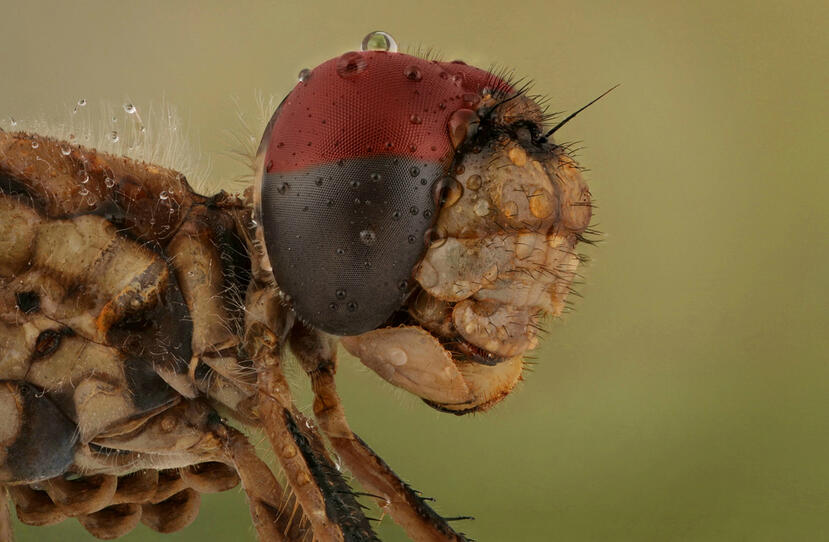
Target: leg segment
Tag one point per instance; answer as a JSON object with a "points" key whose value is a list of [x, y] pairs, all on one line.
{"points": [[317, 354]]}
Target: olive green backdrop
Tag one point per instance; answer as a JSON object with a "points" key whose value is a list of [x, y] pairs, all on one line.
{"points": [[686, 398]]}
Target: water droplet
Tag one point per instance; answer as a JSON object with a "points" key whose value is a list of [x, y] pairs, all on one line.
{"points": [[82, 102], [396, 356], [396, 214], [414, 119], [114, 137], [462, 125], [414, 171], [355, 184], [427, 213], [129, 108], [412, 73], [474, 182], [110, 182], [435, 237], [351, 64], [517, 156], [341, 294], [35, 144], [340, 251], [163, 195], [541, 205], [65, 150], [283, 188], [304, 75], [368, 237], [318, 181], [332, 306], [414, 210], [83, 191], [447, 191], [379, 41], [352, 306], [481, 207], [403, 285], [376, 177]]}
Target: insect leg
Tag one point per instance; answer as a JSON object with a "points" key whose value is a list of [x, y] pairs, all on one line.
{"points": [[317, 354]]}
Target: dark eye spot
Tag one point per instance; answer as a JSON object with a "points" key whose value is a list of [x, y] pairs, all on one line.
{"points": [[27, 302]]}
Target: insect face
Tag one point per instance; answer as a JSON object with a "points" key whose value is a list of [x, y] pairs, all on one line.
{"points": [[414, 207]]}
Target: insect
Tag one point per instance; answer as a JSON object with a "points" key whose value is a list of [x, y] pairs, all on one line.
{"points": [[415, 211]]}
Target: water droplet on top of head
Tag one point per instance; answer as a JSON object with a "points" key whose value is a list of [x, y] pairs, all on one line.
{"points": [[65, 150], [379, 41], [114, 137], [129, 108], [82, 102], [35, 144], [304, 75], [368, 237], [351, 64]]}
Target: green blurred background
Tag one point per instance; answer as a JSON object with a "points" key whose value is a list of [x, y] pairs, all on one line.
{"points": [[686, 397]]}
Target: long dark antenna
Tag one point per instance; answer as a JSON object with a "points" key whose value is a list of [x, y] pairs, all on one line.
{"points": [[570, 117]]}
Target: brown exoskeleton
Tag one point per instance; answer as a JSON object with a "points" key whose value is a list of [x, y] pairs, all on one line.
{"points": [[139, 321]]}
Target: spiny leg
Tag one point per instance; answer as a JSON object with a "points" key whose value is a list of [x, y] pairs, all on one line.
{"points": [[317, 354], [276, 515], [326, 499]]}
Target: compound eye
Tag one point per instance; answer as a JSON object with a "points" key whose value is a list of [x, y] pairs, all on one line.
{"points": [[343, 238]]}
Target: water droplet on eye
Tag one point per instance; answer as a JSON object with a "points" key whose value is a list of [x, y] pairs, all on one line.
{"points": [[164, 195], [341, 294], [129, 108], [352, 306], [412, 73], [481, 207], [379, 41], [340, 251], [427, 213], [304, 75], [474, 182], [424, 182], [355, 184], [376, 177], [414, 171], [351, 64], [65, 150], [414, 210], [368, 237], [35, 144], [462, 125], [403, 285], [269, 166], [332, 306], [283, 188], [411, 239], [114, 137], [396, 356], [414, 119], [435, 237], [318, 181], [447, 191]]}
